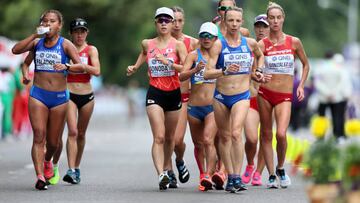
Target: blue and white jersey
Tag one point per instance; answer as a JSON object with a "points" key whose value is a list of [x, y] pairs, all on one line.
{"points": [[198, 78], [240, 55], [45, 57]]}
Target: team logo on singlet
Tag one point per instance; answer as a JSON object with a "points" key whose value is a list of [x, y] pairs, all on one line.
{"points": [[244, 48], [225, 51]]}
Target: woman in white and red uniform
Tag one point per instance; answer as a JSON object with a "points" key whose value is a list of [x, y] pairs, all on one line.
{"points": [[190, 44], [280, 51], [163, 54], [81, 103]]}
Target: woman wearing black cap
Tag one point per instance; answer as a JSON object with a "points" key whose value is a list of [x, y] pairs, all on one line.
{"points": [[81, 103], [163, 54]]}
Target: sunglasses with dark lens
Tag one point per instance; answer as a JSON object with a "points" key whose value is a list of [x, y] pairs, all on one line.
{"points": [[164, 20], [223, 8], [205, 35]]}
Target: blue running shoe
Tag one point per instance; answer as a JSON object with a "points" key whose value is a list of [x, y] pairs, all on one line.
{"points": [[238, 184], [77, 174], [230, 185], [70, 177], [173, 181]]}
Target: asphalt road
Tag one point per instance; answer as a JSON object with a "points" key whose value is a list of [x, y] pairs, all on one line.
{"points": [[117, 167]]}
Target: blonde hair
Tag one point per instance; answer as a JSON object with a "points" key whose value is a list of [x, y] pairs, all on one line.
{"points": [[273, 5], [238, 9]]}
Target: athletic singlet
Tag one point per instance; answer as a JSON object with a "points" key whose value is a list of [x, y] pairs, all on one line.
{"points": [[46, 58], [279, 59], [162, 76], [85, 59], [198, 78], [240, 55], [187, 42]]}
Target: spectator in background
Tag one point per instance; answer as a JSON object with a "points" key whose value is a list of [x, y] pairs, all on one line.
{"points": [[333, 87], [7, 92]]}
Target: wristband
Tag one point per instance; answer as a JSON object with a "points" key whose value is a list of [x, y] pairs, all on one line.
{"points": [[170, 63], [67, 66], [260, 70], [224, 72]]}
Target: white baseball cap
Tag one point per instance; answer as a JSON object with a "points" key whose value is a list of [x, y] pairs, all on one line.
{"points": [[164, 11], [262, 18], [210, 28]]}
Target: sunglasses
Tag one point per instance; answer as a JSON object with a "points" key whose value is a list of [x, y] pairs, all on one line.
{"points": [[207, 35], [223, 8], [164, 20]]}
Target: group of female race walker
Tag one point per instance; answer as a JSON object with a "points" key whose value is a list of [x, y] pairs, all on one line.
{"points": [[221, 83]]}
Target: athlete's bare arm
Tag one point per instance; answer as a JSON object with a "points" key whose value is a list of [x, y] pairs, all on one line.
{"points": [[140, 60], [300, 52], [210, 70]]}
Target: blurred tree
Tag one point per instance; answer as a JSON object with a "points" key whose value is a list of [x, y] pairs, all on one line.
{"points": [[118, 26]]}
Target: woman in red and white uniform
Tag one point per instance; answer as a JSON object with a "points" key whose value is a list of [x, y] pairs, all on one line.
{"points": [[280, 51], [81, 103], [190, 44], [163, 54]]}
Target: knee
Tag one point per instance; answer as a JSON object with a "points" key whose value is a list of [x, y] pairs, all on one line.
{"points": [[266, 136], [73, 132], [281, 135], [52, 144], [251, 141], [225, 136], [208, 141], [81, 134], [236, 136], [159, 140], [39, 136]]}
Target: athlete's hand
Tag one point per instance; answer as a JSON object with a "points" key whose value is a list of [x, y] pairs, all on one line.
{"points": [[26, 80], [232, 68], [59, 66], [300, 93], [130, 70], [200, 66], [161, 58], [265, 77]]}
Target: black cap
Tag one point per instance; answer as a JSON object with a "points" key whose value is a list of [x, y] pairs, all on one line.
{"points": [[78, 23]]}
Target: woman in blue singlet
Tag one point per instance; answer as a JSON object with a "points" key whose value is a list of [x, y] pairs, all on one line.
{"points": [[231, 62], [48, 95]]}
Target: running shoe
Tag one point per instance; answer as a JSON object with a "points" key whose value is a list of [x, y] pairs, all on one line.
{"points": [[239, 185], [184, 174], [55, 179], [256, 179], [70, 177], [41, 183], [173, 182], [206, 181], [77, 174], [218, 179], [272, 183], [48, 170], [201, 188], [283, 177], [230, 185], [246, 177], [164, 180]]}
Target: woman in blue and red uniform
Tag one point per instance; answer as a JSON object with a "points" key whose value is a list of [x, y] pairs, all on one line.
{"points": [[48, 96], [163, 54], [280, 51]]}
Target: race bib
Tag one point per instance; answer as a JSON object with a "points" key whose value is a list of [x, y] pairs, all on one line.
{"points": [[244, 60], [45, 60], [158, 69], [84, 59], [199, 77], [279, 64]]}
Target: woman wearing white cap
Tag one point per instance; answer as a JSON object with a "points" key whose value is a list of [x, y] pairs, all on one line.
{"points": [[280, 51], [231, 62], [163, 55], [200, 111]]}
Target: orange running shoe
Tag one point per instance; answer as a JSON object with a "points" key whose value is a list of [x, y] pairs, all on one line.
{"points": [[205, 181], [218, 179]]}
